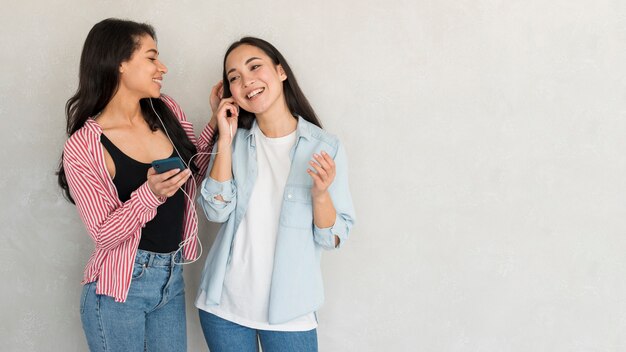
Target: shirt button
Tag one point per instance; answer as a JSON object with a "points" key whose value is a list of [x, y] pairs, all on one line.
{"points": [[289, 196]]}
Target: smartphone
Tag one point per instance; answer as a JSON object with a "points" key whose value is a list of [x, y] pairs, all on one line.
{"points": [[163, 165]]}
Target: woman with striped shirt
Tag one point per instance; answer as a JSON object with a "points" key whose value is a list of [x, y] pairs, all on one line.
{"points": [[143, 223]]}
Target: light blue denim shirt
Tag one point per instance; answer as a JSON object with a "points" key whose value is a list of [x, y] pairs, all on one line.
{"points": [[296, 287]]}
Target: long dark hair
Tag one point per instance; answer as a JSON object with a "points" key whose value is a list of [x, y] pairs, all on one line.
{"points": [[108, 44], [297, 103]]}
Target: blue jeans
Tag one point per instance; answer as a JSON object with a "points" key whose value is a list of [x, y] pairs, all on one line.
{"points": [[151, 319], [224, 336]]}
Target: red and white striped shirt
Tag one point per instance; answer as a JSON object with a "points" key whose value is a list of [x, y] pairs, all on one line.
{"points": [[115, 227]]}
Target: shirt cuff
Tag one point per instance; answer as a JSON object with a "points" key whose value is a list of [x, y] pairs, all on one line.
{"points": [[147, 198], [207, 134], [212, 188], [326, 236]]}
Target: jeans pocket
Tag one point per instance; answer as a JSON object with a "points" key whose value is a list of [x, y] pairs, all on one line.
{"points": [[138, 270]]}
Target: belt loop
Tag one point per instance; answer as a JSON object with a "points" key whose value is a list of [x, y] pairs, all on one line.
{"points": [[150, 259], [173, 261]]}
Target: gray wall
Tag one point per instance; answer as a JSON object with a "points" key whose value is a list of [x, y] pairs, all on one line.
{"points": [[486, 144]]}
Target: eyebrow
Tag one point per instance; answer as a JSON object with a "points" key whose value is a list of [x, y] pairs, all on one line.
{"points": [[247, 62], [152, 50]]}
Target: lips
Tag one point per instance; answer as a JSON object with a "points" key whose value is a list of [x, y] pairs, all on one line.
{"points": [[158, 81]]}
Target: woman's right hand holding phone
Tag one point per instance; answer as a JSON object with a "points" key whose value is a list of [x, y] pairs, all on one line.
{"points": [[166, 184]]}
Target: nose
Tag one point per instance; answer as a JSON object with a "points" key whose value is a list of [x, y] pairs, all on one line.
{"points": [[247, 80], [162, 68]]}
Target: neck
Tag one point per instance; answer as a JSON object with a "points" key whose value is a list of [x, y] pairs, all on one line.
{"points": [[122, 109], [277, 121]]}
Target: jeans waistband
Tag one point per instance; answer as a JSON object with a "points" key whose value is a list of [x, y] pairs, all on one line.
{"points": [[157, 259]]}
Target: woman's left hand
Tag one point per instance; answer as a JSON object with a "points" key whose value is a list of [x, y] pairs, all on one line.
{"points": [[323, 175]]}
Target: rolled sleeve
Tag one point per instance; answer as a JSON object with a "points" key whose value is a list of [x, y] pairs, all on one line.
{"points": [[214, 209], [325, 237], [342, 200]]}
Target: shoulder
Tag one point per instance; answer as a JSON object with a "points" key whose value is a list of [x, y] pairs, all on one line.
{"points": [[173, 105], [83, 138], [319, 134]]}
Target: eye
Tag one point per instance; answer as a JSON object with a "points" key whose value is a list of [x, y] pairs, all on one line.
{"points": [[233, 79], [254, 67]]}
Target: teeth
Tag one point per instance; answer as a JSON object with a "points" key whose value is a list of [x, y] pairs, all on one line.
{"points": [[159, 81], [255, 92]]}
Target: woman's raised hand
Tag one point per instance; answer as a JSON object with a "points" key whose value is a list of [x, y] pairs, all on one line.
{"points": [[226, 125], [216, 96], [214, 100], [323, 175]]}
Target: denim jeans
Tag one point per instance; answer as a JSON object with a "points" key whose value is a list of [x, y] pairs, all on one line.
{"points": [[224, 336], [151, 319]]}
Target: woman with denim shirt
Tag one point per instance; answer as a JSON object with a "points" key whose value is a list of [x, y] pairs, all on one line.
{"points": [[279, 185]]}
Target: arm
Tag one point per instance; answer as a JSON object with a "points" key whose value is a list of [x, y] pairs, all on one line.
{"points": [[108, 224], [333, 212], [204, 144], [217, 198], [218, 191]]}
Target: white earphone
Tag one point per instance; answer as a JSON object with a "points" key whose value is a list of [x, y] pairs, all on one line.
{"points": [[191, 201]]}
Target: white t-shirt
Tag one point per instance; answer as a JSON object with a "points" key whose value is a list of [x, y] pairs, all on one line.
{"points": [[246, 292]]}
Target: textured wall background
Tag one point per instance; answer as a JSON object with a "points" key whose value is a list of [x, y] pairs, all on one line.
{"points": [[486, 141]]}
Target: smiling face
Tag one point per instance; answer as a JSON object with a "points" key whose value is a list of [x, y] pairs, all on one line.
{"points": [[142, 75], [256, 83]]}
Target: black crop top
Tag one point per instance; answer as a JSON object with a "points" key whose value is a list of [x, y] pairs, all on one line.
{"points": [[163, 233]]}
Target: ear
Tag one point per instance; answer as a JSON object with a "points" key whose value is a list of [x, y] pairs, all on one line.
{"points": [[122, 67], [281, 72]]}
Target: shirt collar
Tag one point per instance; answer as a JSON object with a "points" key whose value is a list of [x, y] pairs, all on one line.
{"points": [[93, 126], [303, 129]]}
